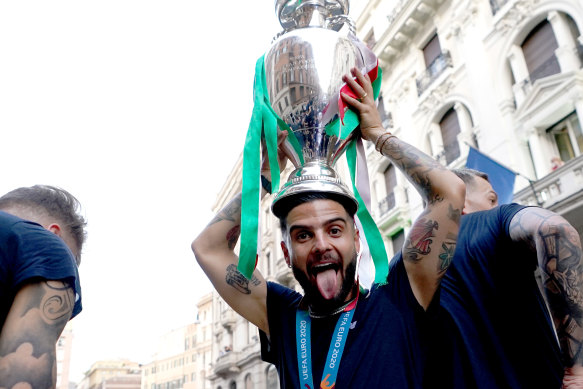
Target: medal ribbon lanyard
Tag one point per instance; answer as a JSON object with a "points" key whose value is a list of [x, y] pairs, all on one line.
{"points": [[304, 348]]}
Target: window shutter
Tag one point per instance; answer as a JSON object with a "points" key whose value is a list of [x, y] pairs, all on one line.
{"points": [[450, 128]]}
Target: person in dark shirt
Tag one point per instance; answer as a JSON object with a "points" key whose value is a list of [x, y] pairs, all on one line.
{"points": [[41, 237], [506, 336], [336, 334]]}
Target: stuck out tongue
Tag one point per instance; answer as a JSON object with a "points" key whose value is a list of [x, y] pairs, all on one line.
{"points": [[327, 283]]}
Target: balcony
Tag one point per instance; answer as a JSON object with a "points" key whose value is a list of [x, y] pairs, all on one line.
{"points": [[404, 22], [226, 364], [437, 67], [228, 319], [386, 204], [559, 191]]}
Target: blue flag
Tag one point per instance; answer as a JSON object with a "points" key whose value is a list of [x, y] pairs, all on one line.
{"points": [[501, 178]]}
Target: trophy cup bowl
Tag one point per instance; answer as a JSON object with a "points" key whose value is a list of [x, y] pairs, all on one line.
{"points": [[304, 69]]}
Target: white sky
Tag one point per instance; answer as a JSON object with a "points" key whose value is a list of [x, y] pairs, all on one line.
{"points": [[140, 109]]}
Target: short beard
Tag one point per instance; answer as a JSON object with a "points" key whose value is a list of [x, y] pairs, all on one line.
{"points": [[313, 296]]}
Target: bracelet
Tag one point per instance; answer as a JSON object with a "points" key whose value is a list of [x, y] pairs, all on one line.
{"points": [[387, 135], [266, 184]]}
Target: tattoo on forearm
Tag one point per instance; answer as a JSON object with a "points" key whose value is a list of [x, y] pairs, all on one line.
{"points": [[238, 281], [231, 212], [419, 241], [415, 164]]}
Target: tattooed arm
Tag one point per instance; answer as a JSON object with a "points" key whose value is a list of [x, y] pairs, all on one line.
{"points": [[430, 244], [36, 319], [213, 249], [558, 249]]}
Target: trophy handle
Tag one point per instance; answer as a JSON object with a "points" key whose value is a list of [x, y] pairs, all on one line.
{"points": [[337, 22]]}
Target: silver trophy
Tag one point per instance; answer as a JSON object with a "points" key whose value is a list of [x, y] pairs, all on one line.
{"points": [[304, 69]]}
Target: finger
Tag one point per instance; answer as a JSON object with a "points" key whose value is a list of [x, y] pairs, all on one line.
{"points": [[363, 80], [351, 101], [354, 85]]}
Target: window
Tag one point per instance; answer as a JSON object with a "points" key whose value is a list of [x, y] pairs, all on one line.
{"points": [[450, 128], [397, 240], [568, 137], [388, 203], [431, 51], [539, 52]]}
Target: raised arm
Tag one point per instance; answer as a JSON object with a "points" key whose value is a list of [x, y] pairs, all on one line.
{"points": [[429, 246], [214, 251], [28, 339], [558, 249]]}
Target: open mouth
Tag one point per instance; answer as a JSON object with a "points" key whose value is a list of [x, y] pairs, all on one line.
{"points": [[328, 279]]}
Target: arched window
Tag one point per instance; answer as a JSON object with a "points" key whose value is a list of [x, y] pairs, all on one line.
{"points": [[248, 382], [272, 380], [539, 52], [450, 128]]}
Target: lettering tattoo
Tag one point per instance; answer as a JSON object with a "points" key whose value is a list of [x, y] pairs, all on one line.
{"points": [[560, 259], [419, 241], [27, 347], [238, 281]]}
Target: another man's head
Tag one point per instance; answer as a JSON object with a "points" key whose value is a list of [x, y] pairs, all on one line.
{"points": [[320, 243], [53, 208], [480, 196]]}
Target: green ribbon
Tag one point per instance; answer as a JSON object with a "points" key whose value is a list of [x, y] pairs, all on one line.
{"points": [[264, 122], [371, 232]]}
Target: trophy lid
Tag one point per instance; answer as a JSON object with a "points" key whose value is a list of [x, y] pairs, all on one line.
{"points": [[313, 177], [308, 13]]}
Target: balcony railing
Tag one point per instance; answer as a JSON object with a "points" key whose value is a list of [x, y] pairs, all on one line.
{"points": [[555, 187], [386, 204], [437, 67]]}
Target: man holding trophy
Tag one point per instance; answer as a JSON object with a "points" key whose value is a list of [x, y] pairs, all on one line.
{"points": [[338, 334]]}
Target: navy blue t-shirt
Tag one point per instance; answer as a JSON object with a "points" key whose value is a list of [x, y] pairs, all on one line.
{"points": [[28, 252], [503, 329], [386, 344]]}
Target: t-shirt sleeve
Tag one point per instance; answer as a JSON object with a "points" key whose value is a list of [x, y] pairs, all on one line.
{"points": [[507, 213], [38, 253], [400, 288], [281, 303]]}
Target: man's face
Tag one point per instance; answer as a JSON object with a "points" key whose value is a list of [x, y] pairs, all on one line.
{"points": [[480, 196], [322, 247]]}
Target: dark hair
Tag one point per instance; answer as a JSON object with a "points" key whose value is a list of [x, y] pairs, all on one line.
{"points": [[53, 202], [468, 175], [282, 208]]}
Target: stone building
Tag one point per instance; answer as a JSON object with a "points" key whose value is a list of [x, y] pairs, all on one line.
{"points": [[501, 76], [183, 356]]}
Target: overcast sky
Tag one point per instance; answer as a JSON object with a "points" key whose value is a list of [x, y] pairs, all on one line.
{"points": [[140, 109]]}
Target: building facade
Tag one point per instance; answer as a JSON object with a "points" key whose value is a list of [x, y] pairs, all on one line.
{"points": [[112, 374], [184, 355], [501, 76], [63, 356]]}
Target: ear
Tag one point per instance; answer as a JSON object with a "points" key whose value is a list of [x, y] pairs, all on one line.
{"points": [[55, 229], [285, 254], [356, 239]]}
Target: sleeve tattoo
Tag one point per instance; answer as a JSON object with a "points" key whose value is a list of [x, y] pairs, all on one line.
{"points": [[27, 348], [559, 255]]}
